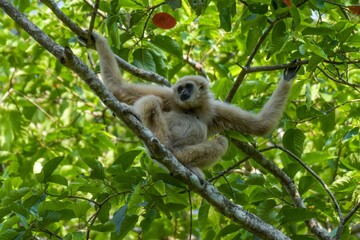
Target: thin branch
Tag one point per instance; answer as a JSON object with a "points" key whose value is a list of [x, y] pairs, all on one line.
{"points": [[191, 215], [286, 182], [37, 106], [222, 173], [344, 221], [225, 206], [100, 205], [197, 66], [242, 74], [317, 177], [328, 111], [341, 81], [93, 17], [65, 19]]}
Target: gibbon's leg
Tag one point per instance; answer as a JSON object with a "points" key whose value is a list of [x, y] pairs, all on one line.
{"points": [[202, 155], [232, 117], [149, 109]]}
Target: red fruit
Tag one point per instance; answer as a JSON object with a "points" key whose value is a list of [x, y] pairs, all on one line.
{"points": [[287, 2], [164, 20], [355, 9]]}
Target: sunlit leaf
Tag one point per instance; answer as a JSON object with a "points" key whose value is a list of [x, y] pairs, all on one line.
{"points": [[293, 140]]}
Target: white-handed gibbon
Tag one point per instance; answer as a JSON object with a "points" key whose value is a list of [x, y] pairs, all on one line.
{"points": [[184, 116]]}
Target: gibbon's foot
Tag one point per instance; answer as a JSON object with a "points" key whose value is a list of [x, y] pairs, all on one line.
{"points": [[198, 172], [148, 106], [290, 73], [223, 141]]}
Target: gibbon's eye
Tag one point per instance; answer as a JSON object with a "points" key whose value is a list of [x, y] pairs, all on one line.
{"points": [[189, 86], [180, 88]]}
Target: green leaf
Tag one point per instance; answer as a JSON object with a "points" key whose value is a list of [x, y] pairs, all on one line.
{"points": [[126, 159], [8, 234], [58, 179], [174, 4], [112, 26], [293, 140], [227, 230], [199, 6], [97, 169], [308, 96], [8, 223], [126, 226], [316, 156], [258, 7], [119, 217], [255, 179], [14, 195], [351, 134], [203, 215], [168, 44], [161, 67], [50, 166], [294, 12], [123, 223], [143, 59], [352, 161], [107, 227], [80, 208], [224, 15], [104, 6], [354, 40], [290, 215], [317, 31]]}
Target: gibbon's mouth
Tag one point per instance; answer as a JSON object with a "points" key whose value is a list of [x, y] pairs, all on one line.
{"points": [[185, 96]]}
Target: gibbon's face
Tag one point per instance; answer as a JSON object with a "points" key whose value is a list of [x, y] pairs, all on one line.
{"points": [[190, 91]]}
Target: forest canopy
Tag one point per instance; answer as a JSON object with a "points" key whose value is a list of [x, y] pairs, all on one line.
{"points": [[74, 160]]}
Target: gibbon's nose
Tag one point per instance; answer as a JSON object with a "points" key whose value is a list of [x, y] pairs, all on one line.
{"points": [[185, 95]]}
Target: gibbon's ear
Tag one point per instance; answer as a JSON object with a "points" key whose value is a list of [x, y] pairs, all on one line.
{"points": [[290, 73]]}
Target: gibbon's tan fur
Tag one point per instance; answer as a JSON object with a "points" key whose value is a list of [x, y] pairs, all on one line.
{"points": [[184, 116]]}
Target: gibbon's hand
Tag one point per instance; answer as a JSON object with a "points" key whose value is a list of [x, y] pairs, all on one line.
{"points": [[290, 73]]}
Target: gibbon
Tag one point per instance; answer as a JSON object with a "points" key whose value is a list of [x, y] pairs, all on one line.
{"points": [[184, 116]]}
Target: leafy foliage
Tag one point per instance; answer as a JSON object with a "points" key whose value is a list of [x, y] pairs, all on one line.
{"points": [[70, 170]]}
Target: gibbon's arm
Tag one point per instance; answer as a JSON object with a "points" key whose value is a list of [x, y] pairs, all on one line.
{"points": [[232, 117], [111, 76]]}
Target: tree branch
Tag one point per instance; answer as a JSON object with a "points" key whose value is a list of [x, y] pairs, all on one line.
{"points": [[286, 182], [229, 209], [309, 170]]}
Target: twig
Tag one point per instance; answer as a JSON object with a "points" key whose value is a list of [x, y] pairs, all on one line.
{"points": [[38, 106], [100, 205], [242, 74], [286, 182], [327, 111], [93, 17], [341, 81], [317, 177], [191, 216], [197, 66], [222, 173], [344, 221]]}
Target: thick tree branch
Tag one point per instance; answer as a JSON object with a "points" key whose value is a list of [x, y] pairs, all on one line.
{"points": [[233, 211]]}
